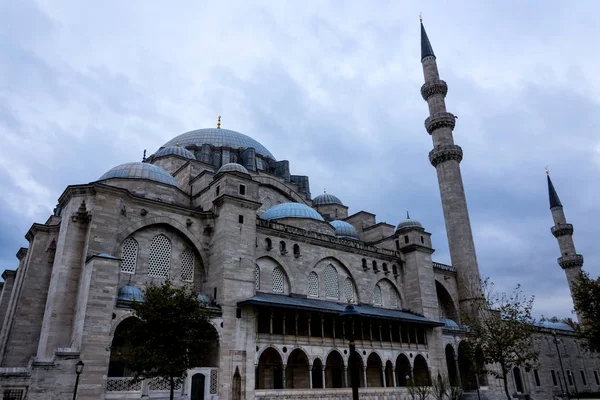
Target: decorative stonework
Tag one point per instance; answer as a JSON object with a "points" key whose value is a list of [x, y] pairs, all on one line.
{"points": [[445, 153], [562, 230], [431, 88], [440, 120], [571, 261]]}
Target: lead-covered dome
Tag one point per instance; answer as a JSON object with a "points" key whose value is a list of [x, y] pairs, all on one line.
{"points": [[292, 210], [409, 224], [233, 167], [175, 151], [130, 293], [140, 170], [326, 198], [218, 137], [344, 230]]}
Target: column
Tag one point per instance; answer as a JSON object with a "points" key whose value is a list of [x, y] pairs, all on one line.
{"points": [[283, 378], [345, 376], [383, 372], [323, 376], [284, 323], [310, 367], [394, 376], [365, 376], [271, 323]]}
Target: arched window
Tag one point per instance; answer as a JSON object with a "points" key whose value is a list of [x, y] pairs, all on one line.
{"points": [[296, 250], [375, 268], [268, 244], [395, 269], [394, 298], [282, 249], [278, 280], [129, 253], [349, 291], [332, 287], [377, 300], [187, 265], [159, 261], [313, 285], [256, 277], [385, 268], [364, 264]]}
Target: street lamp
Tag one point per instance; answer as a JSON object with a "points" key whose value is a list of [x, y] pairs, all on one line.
{"points": [[575, 383], [78, 370], [556, 342], [349, 314]]}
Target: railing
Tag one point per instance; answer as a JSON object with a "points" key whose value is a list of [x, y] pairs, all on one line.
{"points": [[323, 237], [127, 386], [123, 385], [444, 267], [395, 393]]}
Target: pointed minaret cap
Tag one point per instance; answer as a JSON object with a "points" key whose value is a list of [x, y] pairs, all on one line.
{"points": [[426, 49], [554, 200]]}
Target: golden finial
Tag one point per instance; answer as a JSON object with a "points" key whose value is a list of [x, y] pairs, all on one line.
{"points": [[421, 17], [219, 122], [177, 144], [547, 171]]}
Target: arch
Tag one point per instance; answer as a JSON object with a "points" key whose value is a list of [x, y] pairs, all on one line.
{"points": [[421, 371], [268, 244], [364, 264], [385, 267], [159, 261], [282, 247], [296, 248], [355, 369], [317, 374], [377, 297], [236, 385], [390, 293], [256, 277], [447, 305], [389, 374], [395, 269], [334, 370], [395, 301], [466, 366], [403, 374], [350, 290], [332, 286], [518, 380], [297, 370], [120, 347], [375, 268], [374, 370], [313, 284], [129, 254], [270, 370], [267, 265], [451, 365], [284, 190], [211, 356]]}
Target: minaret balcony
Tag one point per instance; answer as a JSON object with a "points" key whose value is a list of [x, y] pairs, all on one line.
{"points": [[571, 261], [440, 120], [432, 88], [445, 153], [562, 230]]}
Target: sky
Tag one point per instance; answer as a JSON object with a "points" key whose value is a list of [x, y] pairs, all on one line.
{"points": [[333, 87]]}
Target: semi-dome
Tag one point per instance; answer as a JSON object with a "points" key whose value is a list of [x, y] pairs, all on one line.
{"points": [[140, 170], [344, 229], [175, 151], [450, 324], [292, 210], [130, 293], [326, 198], [233, 167], [218, 137]]}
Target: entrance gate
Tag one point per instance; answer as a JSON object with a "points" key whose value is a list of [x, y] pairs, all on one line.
{"points": [[198, 383]]}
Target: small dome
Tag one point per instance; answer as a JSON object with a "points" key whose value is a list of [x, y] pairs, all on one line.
{"points": [[409, 224], [175, 151], [344, 229], [450, 324], [555, 325], [291, 210], [233, 167], [202, 298], [130, 293], [326, 198], [140, 170]]}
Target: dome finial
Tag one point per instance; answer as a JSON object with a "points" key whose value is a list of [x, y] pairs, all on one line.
{"points": [[177, 144], [219, 122], [324, 190], [421, 17], [144, 156], [407, 215], [547, 171]]}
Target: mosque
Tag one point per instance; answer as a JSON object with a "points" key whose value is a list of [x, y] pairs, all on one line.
{"points": [[215, 210]]}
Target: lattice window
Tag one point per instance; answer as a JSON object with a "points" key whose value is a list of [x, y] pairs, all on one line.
{"points": [[129, 253], [160, 257], [187, 265], [332, 286], [161, 385], [377, 300], [214, 381], [313, 285], [123, 385], [394, 299], [13, 394], [349, 291], [278, 280], [257, 277]]}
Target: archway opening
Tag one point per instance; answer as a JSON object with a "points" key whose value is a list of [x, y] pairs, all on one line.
{"points": [[451, 365], [447, 306], [374, 371], [296, 371], [389, 374], [120, 348], [356, 366], [518, 380], [421, 371], [334, 370], [466, 366], [270, 370], [317, 374], [402, 370], [236, 385]]}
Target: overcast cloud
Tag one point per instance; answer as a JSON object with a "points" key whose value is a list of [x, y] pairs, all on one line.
{"points": [[333, 87]]}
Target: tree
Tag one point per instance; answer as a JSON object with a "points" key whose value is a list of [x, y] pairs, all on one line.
{"points": [[502, 328], [172, 335], [586, 298]]}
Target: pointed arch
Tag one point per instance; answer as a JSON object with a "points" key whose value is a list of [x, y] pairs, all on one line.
{"points": [[374, 370], [332, 286], [129, 254], [390, 294], [334, 370], [313, 284], [377, 297], [296, 371], [402, 370], [159, 262], [446, 302], [421, 371], [270, 370], [267, 267]]}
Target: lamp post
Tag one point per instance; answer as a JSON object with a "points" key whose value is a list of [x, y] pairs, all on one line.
{"points": [[349, 314], [575, 383], [556, 342], [78, 370]]}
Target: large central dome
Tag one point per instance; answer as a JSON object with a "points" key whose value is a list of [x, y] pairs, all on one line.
{"points": [[219, 138]]}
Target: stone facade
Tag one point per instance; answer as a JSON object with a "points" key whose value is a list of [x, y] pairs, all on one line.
{"points": [[274, 286]]}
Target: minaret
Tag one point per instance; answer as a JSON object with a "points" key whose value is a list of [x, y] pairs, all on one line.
{"points": [[569, 260], [446, 157]]}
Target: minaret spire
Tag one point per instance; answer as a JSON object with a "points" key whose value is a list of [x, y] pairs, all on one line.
{"points": [[570, 261], [446, 158]]}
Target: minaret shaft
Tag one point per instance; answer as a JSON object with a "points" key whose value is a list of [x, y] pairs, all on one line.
{"points": [[446, 157]]}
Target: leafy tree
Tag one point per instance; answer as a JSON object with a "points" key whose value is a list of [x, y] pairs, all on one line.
{"points": [[172, 335], [586, 297], [503, 329]]}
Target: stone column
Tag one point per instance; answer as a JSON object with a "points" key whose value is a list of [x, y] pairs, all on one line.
{"points": [[345, 376], [365, 376], [394, 376], [310, 384], [323, 376], [383, 372], [283, 378]]}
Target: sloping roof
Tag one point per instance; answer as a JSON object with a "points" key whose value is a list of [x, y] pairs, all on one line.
{"points": [[301, 303], [554, 200], [426, 49]]}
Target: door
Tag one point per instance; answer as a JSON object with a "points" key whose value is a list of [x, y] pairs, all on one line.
{"points": [[197, 392]]}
